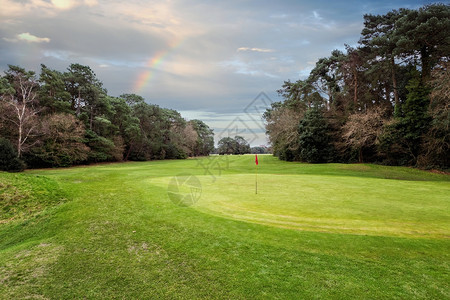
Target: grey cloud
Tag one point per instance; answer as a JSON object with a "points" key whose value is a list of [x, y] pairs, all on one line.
{"points": [[205, 70]]}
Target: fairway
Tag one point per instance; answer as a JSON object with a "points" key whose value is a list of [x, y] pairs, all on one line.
{"points": [[196, 229]]}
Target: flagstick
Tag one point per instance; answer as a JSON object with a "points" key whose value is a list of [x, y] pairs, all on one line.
{"points": [[256, 180]]}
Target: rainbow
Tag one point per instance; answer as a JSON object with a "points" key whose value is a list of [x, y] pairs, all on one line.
{"points": [[151, 65]]}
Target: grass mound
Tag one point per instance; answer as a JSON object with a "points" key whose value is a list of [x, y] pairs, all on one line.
{"points": [[23, 196]]}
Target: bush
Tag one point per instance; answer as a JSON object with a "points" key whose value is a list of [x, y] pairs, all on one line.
{"points": [[8, 157]]}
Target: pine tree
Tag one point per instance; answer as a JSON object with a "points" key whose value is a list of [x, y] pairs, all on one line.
{"points": [[402, 139], [314, 141]]}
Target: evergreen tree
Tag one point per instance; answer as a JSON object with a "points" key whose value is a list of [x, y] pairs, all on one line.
{"points": [[436, 146], [314, 141], [8, 157], [425, 32], [53, 95], [205, 141], [402, 140]]}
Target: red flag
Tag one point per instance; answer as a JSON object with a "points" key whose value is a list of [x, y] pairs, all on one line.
{"points": [[256, 159]]}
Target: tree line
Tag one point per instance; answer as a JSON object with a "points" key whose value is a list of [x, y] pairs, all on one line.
{"points": [[235, 146], [65, 118], [384, 101]]}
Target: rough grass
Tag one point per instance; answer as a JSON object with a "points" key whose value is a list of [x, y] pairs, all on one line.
{"points": [[23, 196], [313, 231]]}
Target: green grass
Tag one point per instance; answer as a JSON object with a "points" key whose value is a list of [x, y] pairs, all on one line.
{"points": [[312, 231], [23, 196]]}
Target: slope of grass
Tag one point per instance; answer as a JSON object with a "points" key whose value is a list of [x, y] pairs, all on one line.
{"points": [[313, 231], [22, 196]]}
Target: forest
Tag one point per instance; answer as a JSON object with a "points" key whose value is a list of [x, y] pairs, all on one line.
{"points": [[60, 119], [385, 100]]}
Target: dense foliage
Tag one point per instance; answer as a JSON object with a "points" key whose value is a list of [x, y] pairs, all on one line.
{"points": [[8, 157], [62, 119], [385, 101], [260, 150], [236, 145]]}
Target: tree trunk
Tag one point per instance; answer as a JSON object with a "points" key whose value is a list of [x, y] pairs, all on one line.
{"points": [[394, 80], [355, 91], [19, 144], [426, 67], [128, 152], [20, 121], [388, 92], [330, 99], [78, 108], [91, 118]]}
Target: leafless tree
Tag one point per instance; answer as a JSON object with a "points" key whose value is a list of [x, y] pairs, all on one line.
{"points": [[282, 127], [185, 137], [19, 107], [362, 130], [63, 135]]}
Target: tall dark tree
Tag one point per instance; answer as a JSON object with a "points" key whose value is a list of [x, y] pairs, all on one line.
{"points": [[314, 141], [436, 146], [87, 93], [53, 96], [379, 40], [403, 138], [423, 33], [126, 125], [352, 69], [205, 141], [325, 76], [148, 144], [300, 95], [132, 99]]}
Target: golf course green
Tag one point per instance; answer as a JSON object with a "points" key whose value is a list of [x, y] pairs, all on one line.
{"points": [[197, 229]]}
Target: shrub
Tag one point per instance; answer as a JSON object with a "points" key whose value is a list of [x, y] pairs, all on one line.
{"points": [[8, 157]]}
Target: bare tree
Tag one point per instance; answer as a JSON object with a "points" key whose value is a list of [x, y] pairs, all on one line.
{"points": [[282, 127], [363, 129], [62, 140], [19, 105], [185, 137]]}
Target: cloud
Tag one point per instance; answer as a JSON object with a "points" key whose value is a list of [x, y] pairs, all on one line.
{"points": [[32, 38], [11, 9], [218, 55], [255, 49], [64, 4], [27, 37]]}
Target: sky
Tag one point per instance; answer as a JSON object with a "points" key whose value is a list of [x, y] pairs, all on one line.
{"points": [[218, 61]]}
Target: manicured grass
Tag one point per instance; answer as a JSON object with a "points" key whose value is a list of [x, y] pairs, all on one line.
{"points": [[312, 231]]}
